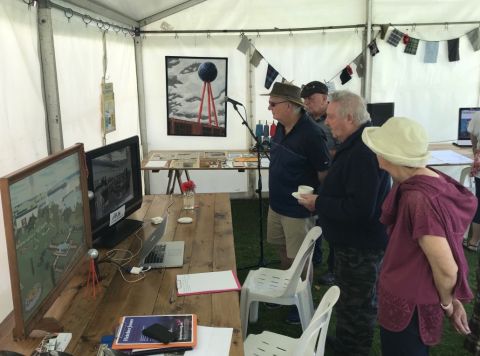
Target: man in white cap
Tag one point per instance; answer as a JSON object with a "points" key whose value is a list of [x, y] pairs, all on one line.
{"points": [[348, 207]]}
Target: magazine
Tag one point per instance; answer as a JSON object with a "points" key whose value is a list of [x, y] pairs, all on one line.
{"points": [[130, 336]]}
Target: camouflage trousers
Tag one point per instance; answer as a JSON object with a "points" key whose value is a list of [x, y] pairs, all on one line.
{"points": [[356, 273]]}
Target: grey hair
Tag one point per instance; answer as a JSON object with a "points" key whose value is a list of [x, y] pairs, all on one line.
{"points": [[351, 103], [297, 109]]}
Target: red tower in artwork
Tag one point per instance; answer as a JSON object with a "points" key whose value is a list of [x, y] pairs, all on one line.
{"points": [[208, 73]]}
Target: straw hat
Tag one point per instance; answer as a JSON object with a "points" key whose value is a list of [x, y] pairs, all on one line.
{"points": [[401, 141], [286, 91]]}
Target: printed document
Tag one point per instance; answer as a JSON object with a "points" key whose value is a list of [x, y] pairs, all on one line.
{"points": [[208, 282]]}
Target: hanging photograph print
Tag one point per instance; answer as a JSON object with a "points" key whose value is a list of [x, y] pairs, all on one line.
{"points": [[108, 108], [196, 90]]}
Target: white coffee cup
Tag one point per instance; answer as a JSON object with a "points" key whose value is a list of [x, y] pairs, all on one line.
{"points": [[305, 189]]}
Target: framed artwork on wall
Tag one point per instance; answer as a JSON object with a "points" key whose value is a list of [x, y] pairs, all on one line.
{"points": [[196, 90], [47, 228]]}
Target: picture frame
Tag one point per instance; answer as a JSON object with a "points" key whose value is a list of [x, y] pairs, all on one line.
{"points": [[47, 228], [196, 91]]}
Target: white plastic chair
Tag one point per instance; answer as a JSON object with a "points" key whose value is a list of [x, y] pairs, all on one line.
{"points": [[464, 176], [284, 287], [312, 341]]}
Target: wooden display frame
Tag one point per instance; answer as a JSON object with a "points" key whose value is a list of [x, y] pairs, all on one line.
{"points": [[47, 219]]}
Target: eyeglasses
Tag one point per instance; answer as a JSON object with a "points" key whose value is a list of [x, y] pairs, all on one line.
{"points": [[272, 104]]}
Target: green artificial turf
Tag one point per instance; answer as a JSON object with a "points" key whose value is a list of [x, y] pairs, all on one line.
{"points": [[245, 216]]}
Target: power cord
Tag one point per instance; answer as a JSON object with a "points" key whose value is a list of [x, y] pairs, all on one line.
{"points": [[121, 262]]}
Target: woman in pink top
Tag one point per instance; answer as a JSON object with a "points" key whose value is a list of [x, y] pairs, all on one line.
{"points": [[423, 277]]}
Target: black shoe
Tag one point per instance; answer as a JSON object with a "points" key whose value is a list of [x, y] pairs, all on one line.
{"points": [[272, 305], [293, 318], [328, 279]]}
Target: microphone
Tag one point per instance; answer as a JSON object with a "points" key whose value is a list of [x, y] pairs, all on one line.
{"points": [[234, 102]]}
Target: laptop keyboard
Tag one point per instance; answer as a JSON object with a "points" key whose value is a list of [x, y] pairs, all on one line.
{"points": [[157, 255]]}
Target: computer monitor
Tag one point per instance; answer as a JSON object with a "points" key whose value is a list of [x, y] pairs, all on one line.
{"points": [[115, 180], [380, 112], [464, 117]]}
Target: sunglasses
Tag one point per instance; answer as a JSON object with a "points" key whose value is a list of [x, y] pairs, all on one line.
{"points": [[272, 104]]}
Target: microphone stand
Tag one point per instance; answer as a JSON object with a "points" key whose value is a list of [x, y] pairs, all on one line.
{"points": [[261, 261]]}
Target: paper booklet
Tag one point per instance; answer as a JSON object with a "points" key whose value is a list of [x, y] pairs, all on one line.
{"points": [[208, 282], [129, 334]]}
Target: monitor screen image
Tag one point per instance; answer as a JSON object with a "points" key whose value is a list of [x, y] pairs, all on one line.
{"points": [[464, 117], [47, 230], [115, 181]]}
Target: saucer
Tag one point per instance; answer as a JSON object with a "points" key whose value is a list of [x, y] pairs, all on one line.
{"points": [[157, 220], [296, 195], [185, 220]]}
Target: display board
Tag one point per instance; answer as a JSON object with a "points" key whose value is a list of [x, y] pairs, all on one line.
{"points": [[47, 227]]}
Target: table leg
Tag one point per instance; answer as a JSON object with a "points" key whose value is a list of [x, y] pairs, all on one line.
{"points": [[170, 186]]}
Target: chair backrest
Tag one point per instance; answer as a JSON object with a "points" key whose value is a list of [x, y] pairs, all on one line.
{"points": [[312, 341], [304, 255], [464, 175]]}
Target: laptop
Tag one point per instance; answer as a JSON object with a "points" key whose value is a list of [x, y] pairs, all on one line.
{"points": [[161, 254], [464, 117]]}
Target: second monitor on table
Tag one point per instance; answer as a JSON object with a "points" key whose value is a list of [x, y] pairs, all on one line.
{"points": [[115, 181]]}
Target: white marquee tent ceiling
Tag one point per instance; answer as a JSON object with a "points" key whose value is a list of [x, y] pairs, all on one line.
{"points": [[236, 14], [141, 11]]}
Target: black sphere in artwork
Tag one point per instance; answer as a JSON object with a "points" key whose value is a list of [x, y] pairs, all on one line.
{"points": [[207, 72]]}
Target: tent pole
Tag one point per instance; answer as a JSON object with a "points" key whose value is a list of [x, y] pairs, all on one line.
{"points": [[367, 82], [251, 120], [49, 78], [141, 104]]}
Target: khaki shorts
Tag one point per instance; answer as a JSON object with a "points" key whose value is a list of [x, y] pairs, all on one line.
{"points": [[289, 232]]}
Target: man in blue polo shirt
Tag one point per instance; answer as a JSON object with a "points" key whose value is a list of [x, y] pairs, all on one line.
{"points": [[299, 156]]}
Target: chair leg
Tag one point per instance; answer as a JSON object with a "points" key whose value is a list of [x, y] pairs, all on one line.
{"points": [[311, 308], [253, 312], [244, 312], [305, 308]]}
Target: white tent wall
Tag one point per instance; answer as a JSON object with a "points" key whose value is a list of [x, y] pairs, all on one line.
{"points": [[155, 48], [430, 93], [299, 62], [422, 11], [22, 115], [79, 59], [79, 56], [301, 58]]}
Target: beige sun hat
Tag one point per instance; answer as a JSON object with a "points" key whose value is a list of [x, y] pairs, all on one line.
{"points": [[401, 141]]}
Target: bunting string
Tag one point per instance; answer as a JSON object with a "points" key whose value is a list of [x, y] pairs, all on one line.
{"points": [[395, 38]]}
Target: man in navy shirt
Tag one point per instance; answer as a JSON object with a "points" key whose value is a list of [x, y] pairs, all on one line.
{"points": [[299, 156]]}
